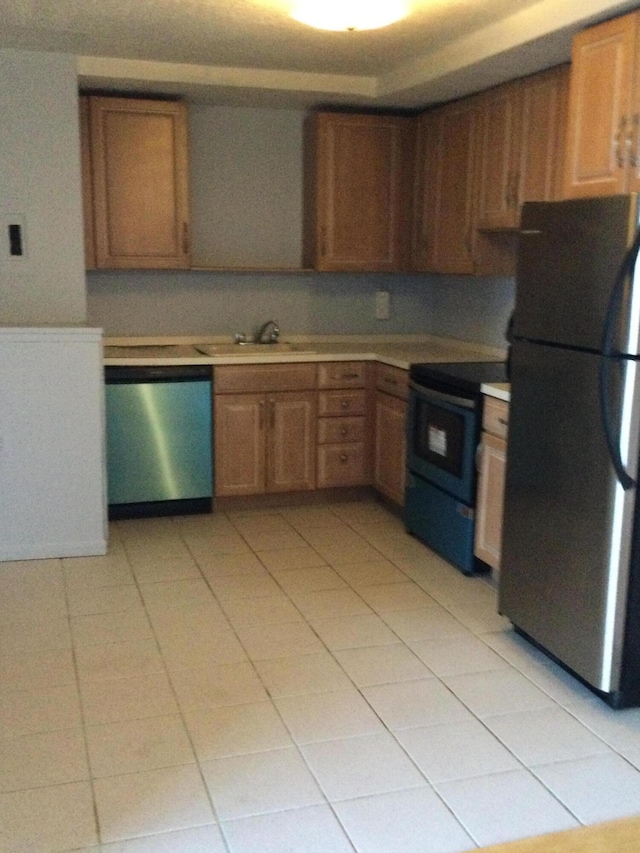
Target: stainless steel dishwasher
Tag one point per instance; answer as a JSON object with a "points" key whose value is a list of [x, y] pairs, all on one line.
{"points": [[159, 440]]}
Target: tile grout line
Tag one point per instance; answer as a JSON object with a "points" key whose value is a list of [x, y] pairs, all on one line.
{"points": [[174, 694]]}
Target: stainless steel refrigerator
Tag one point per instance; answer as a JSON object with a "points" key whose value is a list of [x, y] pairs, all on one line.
{"points": [[570, 575]]}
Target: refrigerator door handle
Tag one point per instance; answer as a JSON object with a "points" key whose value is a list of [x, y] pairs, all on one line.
{"points": [[609, 357], [613, 446]]}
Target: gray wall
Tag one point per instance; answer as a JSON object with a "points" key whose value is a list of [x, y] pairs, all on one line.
{"points": [[474, 309], [191, 303], [40, 184]]}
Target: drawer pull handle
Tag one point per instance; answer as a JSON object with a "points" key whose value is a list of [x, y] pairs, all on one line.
{"points": [[344, 431], [503, 421], [343, 457], [390, 381], [345, 404], [349, 376]]}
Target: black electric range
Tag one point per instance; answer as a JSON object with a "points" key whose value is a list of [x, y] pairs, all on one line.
{"points": [[443, 431], [465, 375]]}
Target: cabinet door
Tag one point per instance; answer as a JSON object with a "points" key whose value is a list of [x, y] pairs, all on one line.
{"points": [[488, 533], [498, 159], [600, 119], [362, 174], [542, 138], [239, 430], [391, 447], [291, 441], [445, 208], [140, 183], [87, 185]]}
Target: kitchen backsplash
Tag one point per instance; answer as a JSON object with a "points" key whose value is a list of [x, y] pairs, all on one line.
{"points": [[187, 303]]}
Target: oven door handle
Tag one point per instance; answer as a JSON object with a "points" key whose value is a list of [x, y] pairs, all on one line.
{"points": [[432, 396]]}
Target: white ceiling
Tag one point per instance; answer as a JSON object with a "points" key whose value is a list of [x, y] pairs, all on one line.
{"points": [[250, 52]]}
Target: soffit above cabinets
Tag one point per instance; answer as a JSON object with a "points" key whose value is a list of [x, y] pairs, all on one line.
{"points": [[251, 53]]}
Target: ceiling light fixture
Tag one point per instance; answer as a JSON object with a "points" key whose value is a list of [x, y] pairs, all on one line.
{"points": [[349, 14]]}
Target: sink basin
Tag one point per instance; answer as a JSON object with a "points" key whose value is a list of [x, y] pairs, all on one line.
{"points": [[250, 349]]}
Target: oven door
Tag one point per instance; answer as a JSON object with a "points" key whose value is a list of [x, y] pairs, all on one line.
{"points": [[442, 439]]}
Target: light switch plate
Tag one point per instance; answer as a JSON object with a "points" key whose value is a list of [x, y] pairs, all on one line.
{"points": [[14, 238]]}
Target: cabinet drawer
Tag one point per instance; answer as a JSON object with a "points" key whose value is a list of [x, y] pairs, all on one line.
{"points": [[342, 403], [392, 380], [341, 465], [495, 418], [341, 374], [336, 430], [255, 378]]}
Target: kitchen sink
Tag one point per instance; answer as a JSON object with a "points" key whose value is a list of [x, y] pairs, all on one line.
{"points": [[251, 349]]}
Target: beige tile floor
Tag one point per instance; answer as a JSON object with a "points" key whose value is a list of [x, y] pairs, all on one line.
{"points": [[308, 680]]}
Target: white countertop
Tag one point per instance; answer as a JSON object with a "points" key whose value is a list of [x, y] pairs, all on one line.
{"points": [[396, 350], [499, 390]]}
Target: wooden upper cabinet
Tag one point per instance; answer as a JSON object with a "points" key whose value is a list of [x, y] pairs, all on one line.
{"points": [[498, 160], [602, 146], [358, 187], [521, 147], [543, 131], [87, 185], [444, 209], [138, 153]]}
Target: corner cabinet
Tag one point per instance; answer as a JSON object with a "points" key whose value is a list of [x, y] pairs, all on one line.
{"points": [[521, 146], [135, 170], [444, 209], [265, 429], [492, 461], [603, 133], [358, 190]]}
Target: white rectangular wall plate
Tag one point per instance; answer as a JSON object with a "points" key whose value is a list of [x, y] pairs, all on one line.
{"points": [[13, 241], [383, 305]]}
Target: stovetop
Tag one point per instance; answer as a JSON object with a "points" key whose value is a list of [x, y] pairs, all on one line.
{"points": [[465, 375]]}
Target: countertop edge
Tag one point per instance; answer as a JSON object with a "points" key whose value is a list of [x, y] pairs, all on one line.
{"points": [[499, 390]]}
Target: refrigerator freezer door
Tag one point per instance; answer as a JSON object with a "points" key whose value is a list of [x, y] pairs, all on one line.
{"points": [[568, 524], [569, 253]]}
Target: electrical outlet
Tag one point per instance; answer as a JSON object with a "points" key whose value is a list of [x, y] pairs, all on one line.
{"points": [[383, 305]]}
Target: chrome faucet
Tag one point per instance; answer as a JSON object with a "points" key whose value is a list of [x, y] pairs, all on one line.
{"points": [[261, 335]]}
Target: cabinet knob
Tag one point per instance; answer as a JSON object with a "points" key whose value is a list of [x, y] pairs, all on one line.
{"points": [[345, 404], [343, 457], [344, 431]]}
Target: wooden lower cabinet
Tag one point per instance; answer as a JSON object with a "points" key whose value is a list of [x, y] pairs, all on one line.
{"points": [[390, 452], [291, 442], [343, 419], [342, 465], [265, 442], [391, 447], [491, 476]]}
